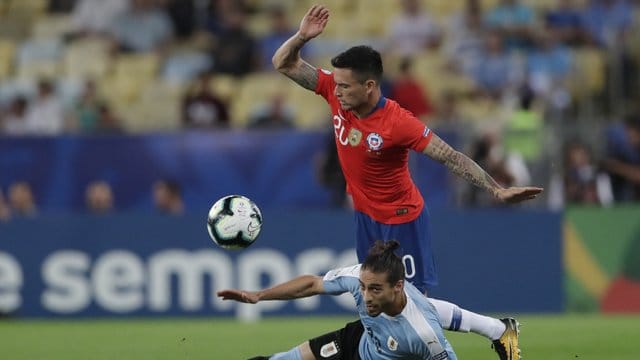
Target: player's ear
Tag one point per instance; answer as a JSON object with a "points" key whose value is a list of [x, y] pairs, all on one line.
{"points": [[370, 85], [399, 285]]}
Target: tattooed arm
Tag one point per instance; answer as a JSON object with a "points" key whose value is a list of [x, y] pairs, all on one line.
{"points": [[287, 58], [463, 166]]}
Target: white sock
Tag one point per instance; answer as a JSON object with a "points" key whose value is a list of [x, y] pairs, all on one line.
{"points": [[454, 318]]}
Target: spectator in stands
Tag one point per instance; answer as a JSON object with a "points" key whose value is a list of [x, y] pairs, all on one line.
{"points": [[202, 108], [99, 197], [279, 32], [183, 16], [5, 211], [95, 17], [108, 121], [623, 159], [487, 153], [86, 113], [330, 174], [549, 66], [167, 197], [277, 114], [514, 21], [605, 21], [235, 51], [413, 30], [14, 122], [409, 93], [565, 21], [581, 181], [523, 132], [497, 71], [144, 27], [465, 37], [45, 114], [21, 200]]}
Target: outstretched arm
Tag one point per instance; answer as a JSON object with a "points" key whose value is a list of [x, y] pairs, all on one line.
{"points": [[463, 166], [287, 58], [302, 286]]}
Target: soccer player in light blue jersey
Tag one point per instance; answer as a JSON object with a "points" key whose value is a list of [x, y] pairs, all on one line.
{"points": [[396, 320]]}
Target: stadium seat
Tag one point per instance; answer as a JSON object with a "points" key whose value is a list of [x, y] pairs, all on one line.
{"points": [[51, 26], [590, 72], [254, 89], [87, 58], [39, 58], [7, 53], [140, 66], [225, 86]]}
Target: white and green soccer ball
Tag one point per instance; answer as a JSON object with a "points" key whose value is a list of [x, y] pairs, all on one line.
{"points": [[234, 222]]}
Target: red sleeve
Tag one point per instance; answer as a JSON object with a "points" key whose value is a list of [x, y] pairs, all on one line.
{"points": [[325, 84], [411, 132]]}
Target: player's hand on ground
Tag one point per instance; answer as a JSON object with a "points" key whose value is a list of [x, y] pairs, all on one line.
{"points": [[238, 295], [514, 195], [314, 22]]}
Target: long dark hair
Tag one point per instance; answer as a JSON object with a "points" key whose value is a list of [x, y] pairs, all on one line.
{"points": [[383, 259]]}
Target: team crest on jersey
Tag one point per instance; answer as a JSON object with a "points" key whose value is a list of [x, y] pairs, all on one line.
{"points": [[328, 350], [392, 344], [374, 140], [355, 136]]}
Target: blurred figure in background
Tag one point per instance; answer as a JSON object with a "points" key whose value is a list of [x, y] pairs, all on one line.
{"points": [[465, 37], [581, 182], [565, 21], [330, 174], [85, 112], [45, 114], [513, 21], [21, 200], [144, 27], [167, 197], [99, 197], [623, 159], [279, 32], [277, 114], [413, 30], [235, 50], [108, 121], [202, 108], [497, 71], [14, 121], [409, 93], [95, 17], [5, 211]]}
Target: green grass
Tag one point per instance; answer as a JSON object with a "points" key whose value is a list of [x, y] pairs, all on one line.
{"points": [[543, 337]]}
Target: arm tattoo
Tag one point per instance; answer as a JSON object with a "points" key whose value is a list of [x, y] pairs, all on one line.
{"points": [[305, 75], [460, 164]]}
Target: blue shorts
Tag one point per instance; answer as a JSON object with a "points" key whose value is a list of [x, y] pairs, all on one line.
{"points": [[415, 242]]}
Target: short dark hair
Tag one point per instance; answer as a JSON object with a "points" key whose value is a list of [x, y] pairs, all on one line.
{"points": [[363, 60], [383, 259]]}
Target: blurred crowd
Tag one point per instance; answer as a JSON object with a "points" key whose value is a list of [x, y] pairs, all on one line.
{"points": [[542, 92]]}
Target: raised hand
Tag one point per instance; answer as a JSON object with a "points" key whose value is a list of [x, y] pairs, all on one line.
{"points": [[313, 22], [238, 295], [514, 195]]}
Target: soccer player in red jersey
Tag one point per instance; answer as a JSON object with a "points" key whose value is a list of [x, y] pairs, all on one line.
{"points": [[373, 137]]}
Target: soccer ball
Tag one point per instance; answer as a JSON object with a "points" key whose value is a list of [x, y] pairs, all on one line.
{"points": [[234, 222]]}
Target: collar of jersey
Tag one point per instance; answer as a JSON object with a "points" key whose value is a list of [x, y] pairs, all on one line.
{"points": [[379, 105]]}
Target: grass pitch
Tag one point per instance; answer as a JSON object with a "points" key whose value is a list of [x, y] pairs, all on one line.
{"points": [[542, 338]]}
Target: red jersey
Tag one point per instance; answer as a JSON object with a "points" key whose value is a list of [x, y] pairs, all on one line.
{"points": [[374, 155]]}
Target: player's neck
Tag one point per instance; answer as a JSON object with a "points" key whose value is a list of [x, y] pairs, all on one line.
{"points": [[398, 306], [369, 106]]}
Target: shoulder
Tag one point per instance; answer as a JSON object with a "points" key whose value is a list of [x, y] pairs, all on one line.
{"points": [[350, 271]]}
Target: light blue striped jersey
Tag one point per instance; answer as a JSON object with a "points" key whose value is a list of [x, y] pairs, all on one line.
{"points": [[415, 333]]}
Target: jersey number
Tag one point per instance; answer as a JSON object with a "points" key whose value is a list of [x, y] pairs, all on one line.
{"points": [[409, 266]]}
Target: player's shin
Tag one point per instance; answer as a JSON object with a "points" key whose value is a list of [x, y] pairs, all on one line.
{"points": [[453, 318]]}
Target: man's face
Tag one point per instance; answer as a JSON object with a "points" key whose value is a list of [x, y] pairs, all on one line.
{"points": [[379, 296], [349, 91]]}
